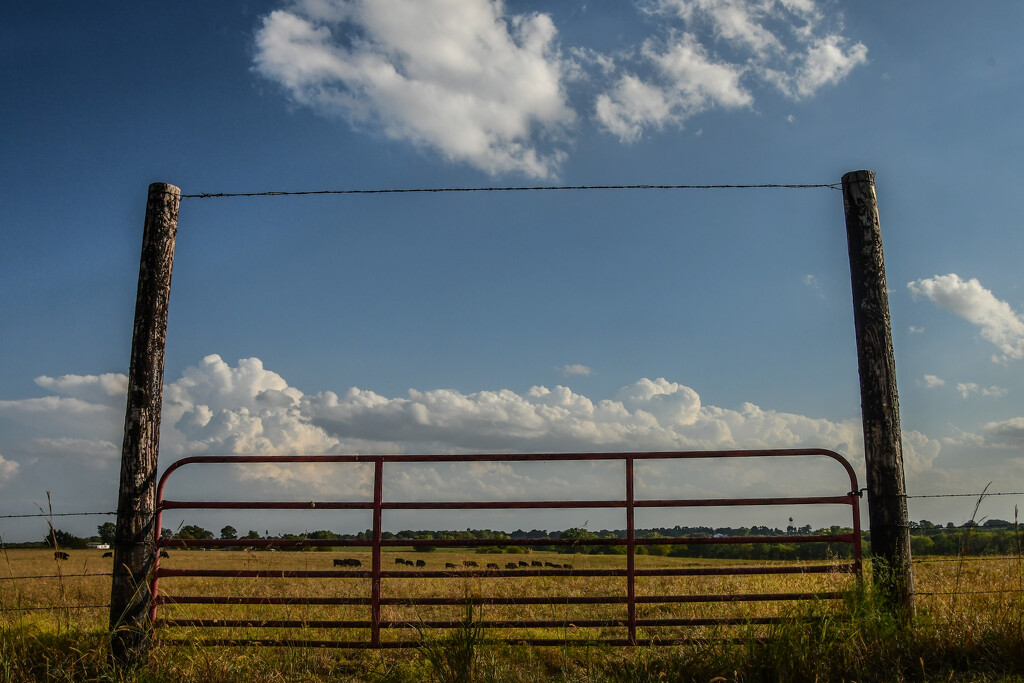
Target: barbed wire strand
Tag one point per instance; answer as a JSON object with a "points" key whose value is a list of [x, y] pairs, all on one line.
{"points": [[52, 607], [958, 558], [984, 494], [54, 576], [958, 593], [57, 514], [535, 188]]}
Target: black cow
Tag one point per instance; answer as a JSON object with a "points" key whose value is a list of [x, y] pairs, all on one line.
{"points": [[469, 563], [535, 563], [449, 565], [511, 565], [164, 553], [421, 563], [408, 563], [566, 566], [399, 560], [348, 562], [108, 554], [493, 565], [60, 555], [523, 564]]}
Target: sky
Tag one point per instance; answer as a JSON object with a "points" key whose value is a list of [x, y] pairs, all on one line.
{"points": [[533, 321]]}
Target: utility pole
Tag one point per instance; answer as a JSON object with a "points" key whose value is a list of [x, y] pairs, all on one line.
{"points": [[880, 408], [136, 502]]}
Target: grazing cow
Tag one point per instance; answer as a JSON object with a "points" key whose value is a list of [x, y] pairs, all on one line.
{"points": [[60, 555], [549, 564], [399, 560], [421, 563], [511, 565], [493, 565], [523, 564], [408, 563], [535, 563], [566, 566], [449, 565], [108, 554], [469, 563], [348, 562], [164, 553]]}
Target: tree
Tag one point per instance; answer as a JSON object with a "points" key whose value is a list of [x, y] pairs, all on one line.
{"points": [[229, 533], [65, 540], [106, 532], [191, 531], [253, 535]]}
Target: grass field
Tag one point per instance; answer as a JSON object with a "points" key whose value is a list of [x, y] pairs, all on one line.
{"points": [[969, 625]]}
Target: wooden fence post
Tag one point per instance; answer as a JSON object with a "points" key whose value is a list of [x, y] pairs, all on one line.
{"points": [[880, 410], [133, 543]]}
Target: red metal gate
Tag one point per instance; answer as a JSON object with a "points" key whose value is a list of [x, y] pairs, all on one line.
{"points": [[617, 629]]}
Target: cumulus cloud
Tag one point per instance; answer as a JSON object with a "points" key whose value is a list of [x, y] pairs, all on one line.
{"points": [[460, 77], [8, 470], [215, 407], [481, 85], [932, 382], [784, 43], [968, 388], [576, 369], [919, 452], [998, 322], [689, 82], [1006, 432], [106, 388]]}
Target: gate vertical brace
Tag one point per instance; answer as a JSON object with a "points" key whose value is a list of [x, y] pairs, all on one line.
{"points": [[880, 410], [630, 551], [378, 499], [134, 550]]}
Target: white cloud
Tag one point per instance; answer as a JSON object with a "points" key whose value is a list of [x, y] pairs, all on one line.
{"points": [[457, 76], [576, 369], [690, 82], [1006, 432], [218, 408], [968, 388], [915, 330], [932, 382], [8, 470], [97, 454], [998, 322], [919, 452]]}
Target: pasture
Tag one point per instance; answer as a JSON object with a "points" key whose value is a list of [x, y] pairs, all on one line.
{"points": [[970, 623]]}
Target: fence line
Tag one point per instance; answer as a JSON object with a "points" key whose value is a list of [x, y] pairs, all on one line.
{"points": [[535, 188]]}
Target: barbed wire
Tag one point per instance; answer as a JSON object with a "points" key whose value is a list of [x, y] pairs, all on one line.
{"points": [[958, 593], [52, 607], [54, 576], [958, 558], [982, 494], [534, 188], [57, 514]]}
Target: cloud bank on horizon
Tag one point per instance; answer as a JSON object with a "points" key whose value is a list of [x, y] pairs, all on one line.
{"points": [[216, 408], [495, 90]]}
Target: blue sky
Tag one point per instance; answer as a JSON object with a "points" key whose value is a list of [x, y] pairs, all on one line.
{"points": [[522, 321]]}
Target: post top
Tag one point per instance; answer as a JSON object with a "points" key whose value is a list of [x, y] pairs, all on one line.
{"points": [[859, 177], [164, 188]]}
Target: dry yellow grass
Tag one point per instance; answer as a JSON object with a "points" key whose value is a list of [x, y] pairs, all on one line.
{"points": [[963, 604]]}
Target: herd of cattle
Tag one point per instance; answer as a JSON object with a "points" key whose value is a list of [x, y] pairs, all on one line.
{"points": [[352, 562]]}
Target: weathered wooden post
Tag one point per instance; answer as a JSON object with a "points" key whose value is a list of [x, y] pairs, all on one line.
{"points": [[133, 542], [880, 409]]}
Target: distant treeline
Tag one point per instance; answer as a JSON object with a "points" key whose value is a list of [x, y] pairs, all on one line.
{"points": [[994, 537]]}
